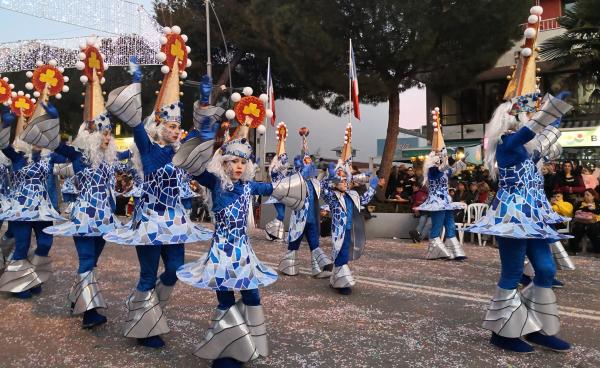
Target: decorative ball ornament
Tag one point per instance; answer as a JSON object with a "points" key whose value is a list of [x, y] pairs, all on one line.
{"points": [[533, 19], [261, 130], [83, 79], [247, 91], [36, 94], [161, 56], [304, 132], [252, 107], [269, 113], [80, 65], [174, 48], [236, 97], [22, 105], [230, 114], [29, 74], [536, 10], [526, 52], [5, 90], [263, 97], [29, 85], [165, 69], [49, 77], [529, 33], [183, 75]]}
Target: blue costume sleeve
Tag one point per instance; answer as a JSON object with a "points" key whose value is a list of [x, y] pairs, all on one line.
{"points": [[519, 138], [261, 188], [65, 151], [123, 155], [141, 139], [207, 179], [367, 196], [11, 153]]}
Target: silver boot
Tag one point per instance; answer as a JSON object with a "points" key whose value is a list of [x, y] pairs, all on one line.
{"points": [[341, 277], [24, 274], [541, 303], [227, 337], [164, 293], [321, 264], [437, 249], [257, 325], [85, 293], [274, 230], [508, 316], [562, 259], [455, 249], [145, 318], [289, 263], [7, 245]]}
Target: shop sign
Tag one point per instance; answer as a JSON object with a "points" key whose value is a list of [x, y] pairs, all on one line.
{"points": [[580, 138]]}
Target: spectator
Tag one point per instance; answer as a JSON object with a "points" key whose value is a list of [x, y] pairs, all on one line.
{"points": [[392, 182], [549, 179], [569, 183], [589, 181], [417, 198], [419, 176], [409, 180], [400, 194], [586, 222], [484, 194], [561, 207], [461, 193], [472, 193], [325, 221]]}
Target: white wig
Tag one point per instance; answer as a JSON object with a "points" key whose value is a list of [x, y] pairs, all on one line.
{"points": [[220, 166], [499, 125], [90, 145]]}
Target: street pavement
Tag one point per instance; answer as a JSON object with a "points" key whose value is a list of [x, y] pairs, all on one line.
{"points": [[404, 312]]}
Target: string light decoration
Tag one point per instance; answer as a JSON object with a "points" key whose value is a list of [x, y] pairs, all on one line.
{"points": [[131, 31]]}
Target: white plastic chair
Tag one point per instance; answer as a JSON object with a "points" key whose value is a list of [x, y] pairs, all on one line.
{"points": [[460, 226], [475, 211]]}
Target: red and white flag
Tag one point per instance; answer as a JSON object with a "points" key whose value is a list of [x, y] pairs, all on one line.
{"points": [[353, 83], [270, 92]]}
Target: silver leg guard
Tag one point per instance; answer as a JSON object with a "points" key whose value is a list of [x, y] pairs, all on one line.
{"points": [[85, 293], [508, 316], [437, 249], [24, 274], [541, 302], [455, 249], [528, 269], [319, 262], [164, 293], [145, 318], [227, 337], [257, 325], [274, 229], [341, 277], [289, 263], [7, 246], [562, 259]]}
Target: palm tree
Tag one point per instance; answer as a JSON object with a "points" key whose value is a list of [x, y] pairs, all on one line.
{"points": [[580, 44]]}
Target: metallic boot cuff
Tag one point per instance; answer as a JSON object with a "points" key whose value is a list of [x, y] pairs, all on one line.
{"points": [[437, 249], [541, 302], [256, 322], [85, 293], [145, 318], [23, 274], [454, 248], [508, 316], [289, 263], [164, 293], [227, 337], [319, 262], [342, 277], [274, 229], [563, 261]]}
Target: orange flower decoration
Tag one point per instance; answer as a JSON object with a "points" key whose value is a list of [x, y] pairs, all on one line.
{"points": [[93, 61], [5, 91], [252, 107], [48, 75], [22, 105], [175, 48]]}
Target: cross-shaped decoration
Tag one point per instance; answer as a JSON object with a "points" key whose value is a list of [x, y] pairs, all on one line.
{"points": [[176, 50], [93, 61], [48, 77], [22, 103]]}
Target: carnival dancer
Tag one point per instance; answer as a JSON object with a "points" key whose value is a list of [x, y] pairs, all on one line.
{"points": [[439, 203], [93, 158], [515, 216], [7, 241], [347, 226], [161, 226], [31, 207], [278, 169], [305, 222], [237, 333]]}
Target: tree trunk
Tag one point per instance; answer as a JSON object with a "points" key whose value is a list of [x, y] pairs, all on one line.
{"points": [[391, 137]]}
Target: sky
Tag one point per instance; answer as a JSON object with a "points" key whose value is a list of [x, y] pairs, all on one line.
{"points": [[326, 129]]}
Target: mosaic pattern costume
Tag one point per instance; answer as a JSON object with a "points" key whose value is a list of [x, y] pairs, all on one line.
{"points": [[231, 263], [438, 198], [69, 189]]}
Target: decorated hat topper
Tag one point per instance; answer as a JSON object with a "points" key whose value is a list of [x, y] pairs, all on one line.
{"points": [[92, 65], [304, 132], [174, 56], [6, 91], [46, 80], [249, 110], [22, 104], [437, 141], [523, 87], [343, 168], [281, 134], [346, 154]]}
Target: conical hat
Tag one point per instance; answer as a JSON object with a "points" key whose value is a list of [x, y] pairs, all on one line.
{"points": [[281, 133], [437, 140], [346, 155], [92, 66]]}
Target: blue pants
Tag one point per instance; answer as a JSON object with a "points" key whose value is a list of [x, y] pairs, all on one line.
{"points": [[89, 249], [227, 298], [441, 219], [22, 232], [512, 256], [311, 233], [280, 208], [149, 257], [344, 255]]}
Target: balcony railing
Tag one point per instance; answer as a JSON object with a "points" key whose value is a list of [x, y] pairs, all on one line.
{"points": [[546, 24]]}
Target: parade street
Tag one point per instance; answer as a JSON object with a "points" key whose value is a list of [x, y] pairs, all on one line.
{"points": [[404, 312]]}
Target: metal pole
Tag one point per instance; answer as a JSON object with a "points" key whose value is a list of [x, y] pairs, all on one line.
{"points": [[208, 56]]}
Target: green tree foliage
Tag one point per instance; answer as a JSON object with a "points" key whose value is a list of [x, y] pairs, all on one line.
{"points": [[580, 44]]}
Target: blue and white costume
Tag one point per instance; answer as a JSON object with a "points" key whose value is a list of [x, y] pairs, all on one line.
{"points": [[277, 170], [69, 191], [238, 330]]}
